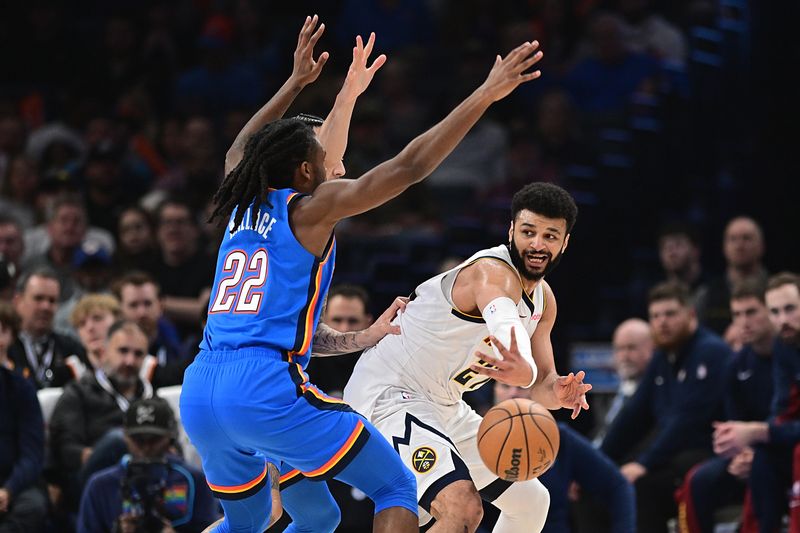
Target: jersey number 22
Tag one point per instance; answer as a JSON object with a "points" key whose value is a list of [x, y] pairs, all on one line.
{"points": [[239, 289]]}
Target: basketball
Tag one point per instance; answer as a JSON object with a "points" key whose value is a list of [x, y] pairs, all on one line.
{"points": [[518, 439]]}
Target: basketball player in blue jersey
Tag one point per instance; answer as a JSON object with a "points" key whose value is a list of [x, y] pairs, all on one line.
{"points": [[246, 400]]}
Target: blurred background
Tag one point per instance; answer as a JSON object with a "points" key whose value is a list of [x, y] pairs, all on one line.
{"points": [[662, 118]]}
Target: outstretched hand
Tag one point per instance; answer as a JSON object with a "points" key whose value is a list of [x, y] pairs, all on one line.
{"points": [[359, 75], [570, 391], [509, 72], [512, 369], [306, 69]]}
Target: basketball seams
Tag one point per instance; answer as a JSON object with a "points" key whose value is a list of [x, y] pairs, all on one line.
{"points": [[546, 441], [502, 446], [543, 432], [525, 433]]}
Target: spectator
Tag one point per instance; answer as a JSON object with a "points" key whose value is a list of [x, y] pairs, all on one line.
{"points": [[775, 441], [50, 359], [23, 505], [92, 317], [151, 483], [11, 249], [139, 296], [183, 272], [102, 173], [651, 33], [605, 81], [9, 329], [678, 397], [136, 249], [743, 248], [748, 393], [85, 427], [66, 229], [91, 273], [633, 349], [219, 83], [581, 471], [18, 192], [679, 252]]}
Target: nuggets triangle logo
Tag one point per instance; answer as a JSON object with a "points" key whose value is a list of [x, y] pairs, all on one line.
{"points": [[423, 459]]}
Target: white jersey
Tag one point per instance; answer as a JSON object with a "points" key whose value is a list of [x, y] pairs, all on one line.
{"points": [[437, 345]]}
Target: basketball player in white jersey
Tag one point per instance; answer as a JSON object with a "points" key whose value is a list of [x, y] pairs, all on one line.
{"points": [[489, 317]]}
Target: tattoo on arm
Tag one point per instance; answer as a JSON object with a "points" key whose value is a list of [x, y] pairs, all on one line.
{"points": [[328, 341], [274, 477]]}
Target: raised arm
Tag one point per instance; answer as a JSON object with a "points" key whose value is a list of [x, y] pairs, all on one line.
{"points": [[334, 131], [304, 71], [338, 199]]}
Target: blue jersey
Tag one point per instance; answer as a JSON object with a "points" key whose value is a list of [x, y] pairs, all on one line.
{"points": [[268, 290]]}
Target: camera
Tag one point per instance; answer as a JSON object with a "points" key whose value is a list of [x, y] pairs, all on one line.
{"points": [[142, 488]]}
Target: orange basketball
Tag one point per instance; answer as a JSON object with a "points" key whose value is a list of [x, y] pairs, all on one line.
{"points": [[518, 439]]}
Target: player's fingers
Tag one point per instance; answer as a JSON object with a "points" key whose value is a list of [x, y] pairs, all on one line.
{"points": [[499, 345], [308, 30], [378, 63], [359, 43], [518, 53], [303, 30], [530, 76], [485, 371], [317, 34], [584, 402], [513, 348], [580, 375], [394, 330], [532, 60], [490, 358], [323, 57], [370, 44]]}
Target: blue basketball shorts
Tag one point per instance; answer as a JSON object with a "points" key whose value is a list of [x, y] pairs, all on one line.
{"points": [[246, 407]]}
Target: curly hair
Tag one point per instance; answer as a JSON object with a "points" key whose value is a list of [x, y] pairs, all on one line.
{"points": [[270, 158], [547, 200]]}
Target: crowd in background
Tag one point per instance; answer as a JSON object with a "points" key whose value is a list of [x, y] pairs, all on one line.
{"points": [[667, 121]]}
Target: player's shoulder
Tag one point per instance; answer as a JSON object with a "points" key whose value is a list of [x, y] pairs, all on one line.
{"points": [[488, 270]]}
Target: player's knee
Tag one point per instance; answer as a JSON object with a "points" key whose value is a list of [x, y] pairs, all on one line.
{"points": [[400, 491], [524, 498], [539, 497], [322, 517], [459, 504]]}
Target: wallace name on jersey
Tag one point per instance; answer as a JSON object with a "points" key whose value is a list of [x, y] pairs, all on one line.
{"points": [[262, 225]]}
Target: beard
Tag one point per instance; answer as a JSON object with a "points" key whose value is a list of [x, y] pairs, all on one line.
{"points": [[522, 268], [790, 336]]}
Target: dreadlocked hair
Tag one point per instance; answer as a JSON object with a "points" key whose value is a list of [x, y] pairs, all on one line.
{"points": [[270, 158]]}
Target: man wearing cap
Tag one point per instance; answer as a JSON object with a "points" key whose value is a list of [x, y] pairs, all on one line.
{"points": [[114, 498], [91, 273]]}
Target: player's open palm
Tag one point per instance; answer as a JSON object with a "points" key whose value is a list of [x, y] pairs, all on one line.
{"points": [[510, 368], [359, 75], [306, 69], [570, 391], [511, 71]]}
